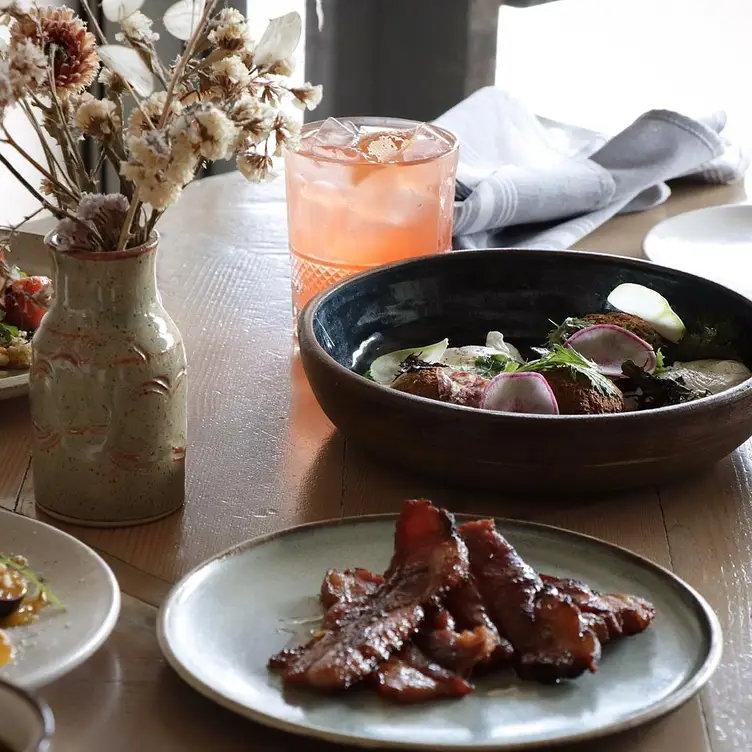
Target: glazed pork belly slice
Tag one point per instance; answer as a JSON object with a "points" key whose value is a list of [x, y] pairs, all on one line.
{"points": [[550, 639], [460, 651], [348, 585], [429, 560], [458, 632], [410, 676], [609, 615]]}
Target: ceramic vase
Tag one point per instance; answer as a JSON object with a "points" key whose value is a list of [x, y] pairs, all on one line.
{"points": [[108, 393]]}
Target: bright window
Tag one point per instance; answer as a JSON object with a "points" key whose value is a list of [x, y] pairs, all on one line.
{"points": [[600, 63]]}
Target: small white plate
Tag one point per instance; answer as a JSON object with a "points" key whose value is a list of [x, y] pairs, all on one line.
{"points": [[14, 386], [715, 243], [223, 621], [61, 640]]}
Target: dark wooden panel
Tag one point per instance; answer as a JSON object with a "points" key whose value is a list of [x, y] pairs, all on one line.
{"points": [[403, 59]]}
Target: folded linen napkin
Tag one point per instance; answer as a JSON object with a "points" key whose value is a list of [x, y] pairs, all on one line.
{"points": [[528, 182]]}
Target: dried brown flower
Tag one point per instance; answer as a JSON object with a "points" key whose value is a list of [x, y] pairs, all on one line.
{"points": [[62, 35]]}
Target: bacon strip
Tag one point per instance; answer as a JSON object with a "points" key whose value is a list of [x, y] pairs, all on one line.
{"points": [[410, 677], [610, 615], [429, 560], [550, 640]]}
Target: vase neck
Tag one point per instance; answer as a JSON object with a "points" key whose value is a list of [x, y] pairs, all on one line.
{"points": [[105, 285]]}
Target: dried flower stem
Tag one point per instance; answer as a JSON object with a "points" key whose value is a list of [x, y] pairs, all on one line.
{"points": [[72, 148], [103, 39], [60, 186], [189, 50], [125, 230], [58, 212], [52, 161]]}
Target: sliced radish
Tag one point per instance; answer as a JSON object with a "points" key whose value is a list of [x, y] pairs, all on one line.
{"points": [[650, 306], [610, 346], [522, 392], [384, 369]]}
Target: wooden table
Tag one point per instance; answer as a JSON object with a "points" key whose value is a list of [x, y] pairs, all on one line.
{"points": [[263, 457]]}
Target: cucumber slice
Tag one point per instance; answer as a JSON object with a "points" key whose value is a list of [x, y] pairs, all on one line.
{"points": [[386, 367], [649, 305]]}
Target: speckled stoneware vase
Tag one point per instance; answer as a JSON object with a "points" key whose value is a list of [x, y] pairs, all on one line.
{"points": [[108, 393]]}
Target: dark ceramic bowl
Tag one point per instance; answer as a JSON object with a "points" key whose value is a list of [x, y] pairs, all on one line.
{"points": [[464, 295]]}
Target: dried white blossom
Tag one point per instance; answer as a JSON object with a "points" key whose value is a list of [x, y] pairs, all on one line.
{"points": [[230, 73], [111, 81], [98, 118], [153, 106], [150, 150], [28, 66], [254, 167], [230, 30], [160, 164], [286, 131], [155, 188], [7, 91], [284, 67], [217, 133], [185, 158], [307, 96], [137, 28], [247, 109], [256, 120]]}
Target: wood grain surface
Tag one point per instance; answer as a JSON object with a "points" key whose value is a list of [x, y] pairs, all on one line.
{"points": [[263, 456]]}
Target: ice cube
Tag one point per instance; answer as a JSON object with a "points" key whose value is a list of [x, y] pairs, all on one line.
{"points": [[389, 197], [382, 147], [323, 193], [335, 133], [343, 154], [425, 142]]}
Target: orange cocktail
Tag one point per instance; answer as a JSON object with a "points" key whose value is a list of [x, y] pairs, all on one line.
{"points": [[364, 192]]}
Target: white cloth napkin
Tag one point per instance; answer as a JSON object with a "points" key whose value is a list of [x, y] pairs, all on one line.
{"points": [[528, 182]]}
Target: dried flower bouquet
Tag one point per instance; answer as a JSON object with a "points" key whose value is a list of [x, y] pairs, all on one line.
{"points": [[158, 123]]}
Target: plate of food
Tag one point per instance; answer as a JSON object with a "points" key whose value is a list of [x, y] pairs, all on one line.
{"points": [[428, 631], [59, 601], [534, 370], [24, 299]]}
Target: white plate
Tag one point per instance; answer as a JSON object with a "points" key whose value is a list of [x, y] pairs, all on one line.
{"points": [[60, 641], [14, 386], [715, 243], [223, 621]]}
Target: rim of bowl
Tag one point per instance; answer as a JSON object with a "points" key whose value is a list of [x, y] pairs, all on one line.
{"points": [[41, 709], [307, 337]]}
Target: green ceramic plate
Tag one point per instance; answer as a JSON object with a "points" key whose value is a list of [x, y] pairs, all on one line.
{"points": [[223, 621]]}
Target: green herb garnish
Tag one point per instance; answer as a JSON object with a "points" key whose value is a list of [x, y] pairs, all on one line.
{"points": [[29, 574], [7, 332], [566, 357], [489, 366], [562, 332], [660, 362]]}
